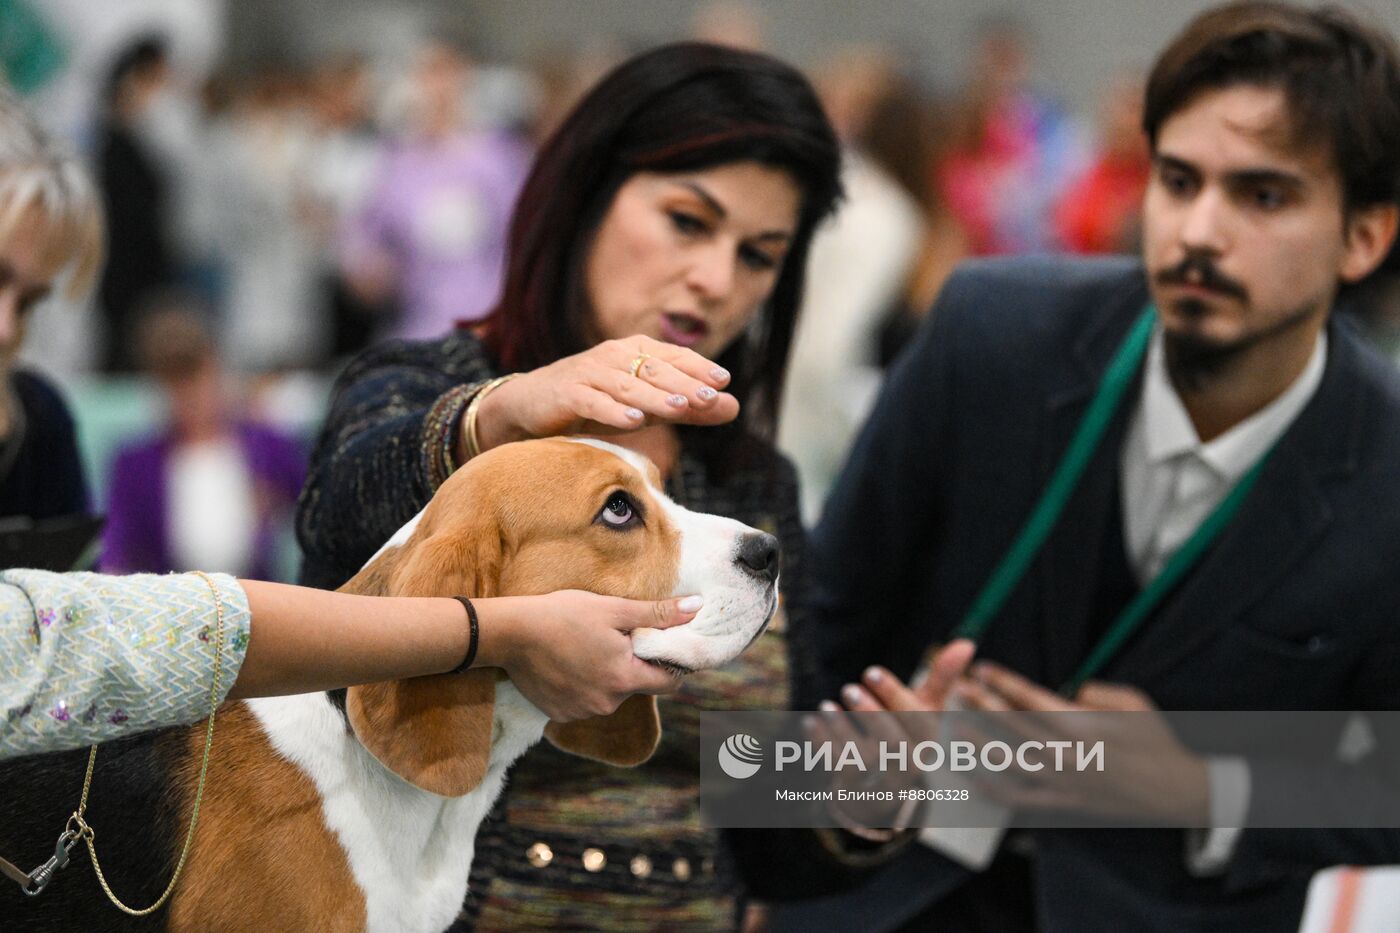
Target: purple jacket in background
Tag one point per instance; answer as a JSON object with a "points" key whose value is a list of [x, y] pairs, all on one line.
{"points": [[137, 534], [438, 211]]}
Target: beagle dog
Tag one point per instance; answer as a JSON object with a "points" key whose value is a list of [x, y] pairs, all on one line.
{"points": [[330, 814]]}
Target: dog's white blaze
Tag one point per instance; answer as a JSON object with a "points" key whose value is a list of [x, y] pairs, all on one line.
{"points": [[636, 460], [409, 850]]}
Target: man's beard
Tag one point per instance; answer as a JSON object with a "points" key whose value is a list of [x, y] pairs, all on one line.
{"points": [[1195, 361]]}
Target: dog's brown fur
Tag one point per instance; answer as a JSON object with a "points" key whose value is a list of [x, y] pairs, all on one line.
{"points": [[263, 858]]}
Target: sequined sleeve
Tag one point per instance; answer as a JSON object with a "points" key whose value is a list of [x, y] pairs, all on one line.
{"points": [[86, 657]]}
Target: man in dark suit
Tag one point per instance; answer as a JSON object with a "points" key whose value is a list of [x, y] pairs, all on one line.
{"points": [[1275, 133]]}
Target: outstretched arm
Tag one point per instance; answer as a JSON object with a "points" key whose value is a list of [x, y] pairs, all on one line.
{"points": [[87, 657]]}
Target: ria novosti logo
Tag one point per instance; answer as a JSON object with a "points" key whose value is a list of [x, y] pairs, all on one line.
{"points": [[740, 756]]}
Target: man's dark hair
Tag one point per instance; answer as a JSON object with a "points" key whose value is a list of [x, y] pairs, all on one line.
{"points": [[1340, 78]]}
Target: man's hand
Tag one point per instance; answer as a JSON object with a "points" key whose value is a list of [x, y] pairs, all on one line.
{"points": [[1148, 775], [882, 693]]}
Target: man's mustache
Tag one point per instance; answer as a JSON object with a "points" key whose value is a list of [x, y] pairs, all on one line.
{"points": [[1201, 271]]}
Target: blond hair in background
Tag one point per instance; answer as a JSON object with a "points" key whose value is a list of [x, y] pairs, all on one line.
{"points": [[38, 175]]}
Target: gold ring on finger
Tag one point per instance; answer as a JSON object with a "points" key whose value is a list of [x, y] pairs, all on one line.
{"points": [[637, 363]]}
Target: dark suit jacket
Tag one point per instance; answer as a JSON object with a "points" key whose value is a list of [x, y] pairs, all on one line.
{"points": [[1296, 606]]}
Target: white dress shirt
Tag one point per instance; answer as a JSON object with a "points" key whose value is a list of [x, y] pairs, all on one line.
{"points": [[1170, 482]]}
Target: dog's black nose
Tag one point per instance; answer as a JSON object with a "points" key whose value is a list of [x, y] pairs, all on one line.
{"points": [[758, 554]]}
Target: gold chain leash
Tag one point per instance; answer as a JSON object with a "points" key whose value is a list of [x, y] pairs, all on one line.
{"points": [[86, 832]]}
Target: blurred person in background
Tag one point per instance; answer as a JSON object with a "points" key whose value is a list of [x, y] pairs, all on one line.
{"points": [[563, 76], [1014, 148], [1101, 210], [274, 316], [211, 490], [664, 226], [908, 131], [431, 235], [859, 263], [345, 148], [206, 193], [50, 223], [136, 192]]}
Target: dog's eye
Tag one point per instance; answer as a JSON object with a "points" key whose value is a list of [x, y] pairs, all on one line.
{"points": [[619, 511]]}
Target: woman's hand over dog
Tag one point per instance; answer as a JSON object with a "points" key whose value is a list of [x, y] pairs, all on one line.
{"points": [[616, 386], [570, 652]]}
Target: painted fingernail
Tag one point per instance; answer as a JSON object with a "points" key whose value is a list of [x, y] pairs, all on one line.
{"points": [[705, 393], [690, 604], [851, 694], [676, 401], [809, 724], [872, 675], [719, 374], [635, 414], [826, 706]]}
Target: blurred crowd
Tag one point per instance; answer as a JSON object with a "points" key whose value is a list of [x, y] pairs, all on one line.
{"points": [[268, 222]]}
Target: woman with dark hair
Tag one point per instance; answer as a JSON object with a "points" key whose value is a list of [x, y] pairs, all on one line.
{"points": [[654, 272]]}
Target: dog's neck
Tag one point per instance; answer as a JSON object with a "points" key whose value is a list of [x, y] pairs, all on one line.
{"points": [[409, 850]]}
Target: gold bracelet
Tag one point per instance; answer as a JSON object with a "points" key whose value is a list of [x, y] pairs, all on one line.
{"points": [[473, 444]]}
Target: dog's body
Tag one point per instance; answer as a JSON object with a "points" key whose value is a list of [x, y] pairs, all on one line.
{"points": [[409, 850], [363, 814]]}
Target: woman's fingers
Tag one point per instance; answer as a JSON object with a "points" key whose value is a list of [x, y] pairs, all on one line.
{"points": [[664, 392], [618, 385], [652, 397], [685, 360], [675, 370], [671, 378], [594, 405], [633, 614]]}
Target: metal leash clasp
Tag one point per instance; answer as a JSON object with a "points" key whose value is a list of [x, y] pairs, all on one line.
{"points": [[40, 877]]}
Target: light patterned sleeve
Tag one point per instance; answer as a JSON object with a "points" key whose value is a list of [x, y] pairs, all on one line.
{"points": [[86, 657]]}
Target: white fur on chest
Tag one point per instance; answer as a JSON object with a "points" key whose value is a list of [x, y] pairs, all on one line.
{"points": [[409, 850]]}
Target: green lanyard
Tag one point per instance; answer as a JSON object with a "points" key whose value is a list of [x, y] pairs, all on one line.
{"points": [[1087, 436]]}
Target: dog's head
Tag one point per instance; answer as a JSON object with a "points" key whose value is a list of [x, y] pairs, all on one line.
{"points": [[535, 517]]}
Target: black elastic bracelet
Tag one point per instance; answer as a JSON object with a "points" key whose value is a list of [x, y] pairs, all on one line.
{"points": [[476, 634]]}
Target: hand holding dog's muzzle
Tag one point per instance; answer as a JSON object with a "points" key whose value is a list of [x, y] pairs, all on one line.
{"points": [[546, 640]]}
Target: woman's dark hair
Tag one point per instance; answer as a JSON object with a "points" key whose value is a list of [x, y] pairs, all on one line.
{"points": [[1340, 78], [677, 108]]}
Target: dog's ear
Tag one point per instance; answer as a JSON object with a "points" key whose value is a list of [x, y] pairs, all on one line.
{"points": [[434, 732], [626, 737]]}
